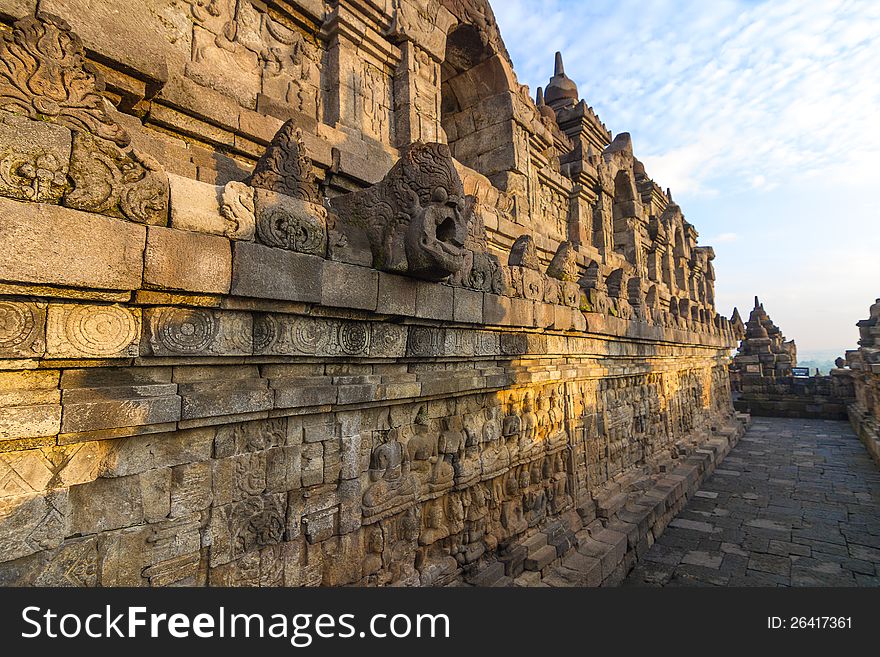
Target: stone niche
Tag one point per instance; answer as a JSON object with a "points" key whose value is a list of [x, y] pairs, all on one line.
{"points": [[306, 295]]}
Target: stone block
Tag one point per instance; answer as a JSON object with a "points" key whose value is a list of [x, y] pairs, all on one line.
{"points": [[105, 504], [29, 414], [198, 332], [74, 563], [92, 331], [224, 397], [34, 470], [540, 558], [42, 243], [496, 310], [296, 392], [22, 329], [349, 286], [268, 273], [195, 206], [156, 494], [188, 261], [95, 409], [140, 453], [131, 557], [312, 464], [191, 488], [397, 295], [36, 158], [150, 37], [434, 301], [467, 306], [34, 522]]}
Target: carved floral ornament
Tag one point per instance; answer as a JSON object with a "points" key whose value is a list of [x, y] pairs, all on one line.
{"points": [[44, 75]]}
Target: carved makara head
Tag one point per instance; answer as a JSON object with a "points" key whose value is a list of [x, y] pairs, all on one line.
{"points": [[435, 238], [416, 219]]}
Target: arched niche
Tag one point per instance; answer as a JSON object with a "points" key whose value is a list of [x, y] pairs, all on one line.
{"points": [[473, 74]]}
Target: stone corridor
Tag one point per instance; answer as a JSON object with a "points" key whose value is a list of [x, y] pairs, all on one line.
{"points": [[795, 503]]}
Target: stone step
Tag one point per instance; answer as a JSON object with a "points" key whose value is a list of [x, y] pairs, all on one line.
{"points": [[535, 543], [488, 575], [514, 560], [580, 570], [541, 558], [608, 506]]}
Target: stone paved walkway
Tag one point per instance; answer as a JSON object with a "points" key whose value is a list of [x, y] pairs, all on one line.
{"points": [[795, 503]]}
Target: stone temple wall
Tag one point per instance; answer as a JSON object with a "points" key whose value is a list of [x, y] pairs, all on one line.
{"points": [[863, 367], [762, 381], [314, 293]]}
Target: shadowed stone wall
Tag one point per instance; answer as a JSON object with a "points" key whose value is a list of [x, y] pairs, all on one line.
{"points": [[301, 293], [863, 365]]}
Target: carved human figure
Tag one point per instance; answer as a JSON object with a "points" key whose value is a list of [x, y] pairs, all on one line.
{"points": [[495, 455], [391, 482], [403, 551], [529, 433], [454, 441], [512, 518], [556, 434], [375, 544], [435, 524], [433, 472]]}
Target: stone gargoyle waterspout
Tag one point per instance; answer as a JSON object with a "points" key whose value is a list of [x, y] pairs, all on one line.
{"points": [[413, 222]]}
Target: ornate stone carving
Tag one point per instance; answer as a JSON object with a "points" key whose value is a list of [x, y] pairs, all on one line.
{"points": [[106, 180], [290, 223], [45, 77], [290, 68], [392, 486], [433, 472], [199, 332], [564, 266], [524, 253], [310, 336], [237, 207], [285, 167], [22, 329], [415, 220], [91, 331]]}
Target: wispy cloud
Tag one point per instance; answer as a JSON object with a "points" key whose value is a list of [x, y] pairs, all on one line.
{"points": [[762, 118], [726, 93]]}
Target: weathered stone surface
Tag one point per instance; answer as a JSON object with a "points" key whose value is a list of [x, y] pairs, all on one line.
{"points": [[22, 329], [32, 523], [30, 405], [101, 408], [269, 273], [183, 260], [91, 331], [75, 563], [196, 206], [43, 244], [175, 331], [349, 390], [349, 286], [34, 159], [106, 504]]}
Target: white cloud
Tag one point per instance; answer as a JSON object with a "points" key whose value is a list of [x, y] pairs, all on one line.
{"points": [[727, 94]]}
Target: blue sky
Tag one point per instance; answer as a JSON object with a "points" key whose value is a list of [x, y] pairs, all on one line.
{"points": [[764, 120]]}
